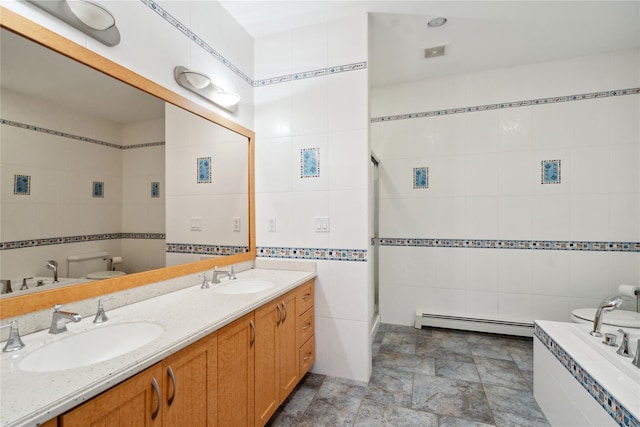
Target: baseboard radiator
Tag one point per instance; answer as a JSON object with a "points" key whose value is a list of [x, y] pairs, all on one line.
{"points": [[473, 324]]}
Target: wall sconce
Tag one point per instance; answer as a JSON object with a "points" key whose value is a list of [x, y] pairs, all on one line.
{"points": [[84, 15], [201, 84]]}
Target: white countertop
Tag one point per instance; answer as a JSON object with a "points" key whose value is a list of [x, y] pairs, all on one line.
{"points": [[31, 398], [614, 372]]}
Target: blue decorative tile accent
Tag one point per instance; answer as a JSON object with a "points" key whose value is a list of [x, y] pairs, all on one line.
{"points": [[155, 190], [550, 171], [48, 241], [548, 245], [420, 178], [515, 104], [190, 248], [326, 254], [605, 399], [203, 172], [309, 163], [22, 185], [76, 137], [98, 189]]}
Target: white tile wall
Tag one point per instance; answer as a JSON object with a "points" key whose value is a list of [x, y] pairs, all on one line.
{"points": [[485, 183], [329, 113]]}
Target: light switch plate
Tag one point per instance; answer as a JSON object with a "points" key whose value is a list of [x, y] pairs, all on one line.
{"points": [[196, 224], [321, 224], [236, 223], [271, 224]]}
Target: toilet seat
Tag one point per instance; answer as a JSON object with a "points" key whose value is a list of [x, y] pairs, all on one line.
{"points": [[622, 318], [99, 275]]}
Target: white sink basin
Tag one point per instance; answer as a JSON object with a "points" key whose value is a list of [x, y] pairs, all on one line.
{"points": [[99, 275], [237, 287], [92, 346]]}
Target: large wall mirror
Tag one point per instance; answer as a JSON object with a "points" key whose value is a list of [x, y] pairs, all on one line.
{"points": [[98, 160]]}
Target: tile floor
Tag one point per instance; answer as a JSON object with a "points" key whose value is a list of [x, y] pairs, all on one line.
{"points": [[425, 377]]}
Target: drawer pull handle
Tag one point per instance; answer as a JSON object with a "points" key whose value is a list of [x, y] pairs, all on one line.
{"points": [[306, 296], [307, 357], [284, 307], [175, 388], [307, 326], [253, 337], [155, 386], [279, 310]]}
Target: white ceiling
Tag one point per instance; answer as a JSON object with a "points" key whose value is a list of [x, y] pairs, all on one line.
{"points": [[479, 35]]}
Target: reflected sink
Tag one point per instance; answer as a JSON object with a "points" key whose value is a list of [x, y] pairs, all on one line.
{"points": [[237, 287], [92, 346]]}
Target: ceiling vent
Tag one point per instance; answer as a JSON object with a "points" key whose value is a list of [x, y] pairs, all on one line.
{"points": [[432, 52]]}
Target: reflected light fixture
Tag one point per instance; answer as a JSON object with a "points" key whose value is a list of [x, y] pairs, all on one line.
{"points": [[201, 85], [87, 16]]}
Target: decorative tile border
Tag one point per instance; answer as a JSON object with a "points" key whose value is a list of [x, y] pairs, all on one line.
{"points": [[190, 248], [526, 103], [309, 74], [324, 254], [549, 245], [421, 178], [22, 185], [310, 163], [550, 171], [76, 137], [607, 401], [48, 241]]}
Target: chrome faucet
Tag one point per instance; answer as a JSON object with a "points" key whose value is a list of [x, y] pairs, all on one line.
{"points": [[636, 360], [53, 265], [608, 304], [14, 342], [205, 282], [216, 274], [60, 318]]}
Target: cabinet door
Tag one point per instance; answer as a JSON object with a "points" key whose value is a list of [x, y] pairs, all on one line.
{"points": [[131, 403], [287, 347], [236, 373], [190, 385], [268, 318]]}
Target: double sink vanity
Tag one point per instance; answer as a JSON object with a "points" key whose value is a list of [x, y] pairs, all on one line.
{"points": [[226, 355]]}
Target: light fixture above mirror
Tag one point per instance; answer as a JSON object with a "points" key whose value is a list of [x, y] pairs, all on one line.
{"points": [[87, 16], [201, 85]]}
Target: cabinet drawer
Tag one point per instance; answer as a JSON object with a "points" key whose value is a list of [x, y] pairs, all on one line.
{"points": [[307, 355], [304, 299], [305, 327]]}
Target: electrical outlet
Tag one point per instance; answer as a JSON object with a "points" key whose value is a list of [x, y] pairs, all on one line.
{"points": [[196, 224], [321, 224], [236, 223], [271, 224]]}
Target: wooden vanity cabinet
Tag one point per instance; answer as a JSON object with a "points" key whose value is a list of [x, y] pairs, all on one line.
{"points": [[190, 385], [236, 349], [131, 403], [276, 355], [237, 376]]}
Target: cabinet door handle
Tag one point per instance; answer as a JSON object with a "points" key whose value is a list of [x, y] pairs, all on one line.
{"points": [[306, 296], [279, 314], [307, 326], [307, 357], [155, 386], [173, 382], [284, 306], [253, 329]]}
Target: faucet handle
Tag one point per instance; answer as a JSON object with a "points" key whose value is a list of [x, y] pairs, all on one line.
{"points": [[205, 282], [14, 342], [623, 350], [24, 283], [57, 307], [101, 316], [636, 360]]}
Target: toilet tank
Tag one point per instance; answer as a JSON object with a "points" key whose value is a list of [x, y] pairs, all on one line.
{"points": [[82, 264]]}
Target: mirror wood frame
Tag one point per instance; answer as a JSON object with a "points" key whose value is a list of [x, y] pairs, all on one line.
{"points": [[23, 304]]}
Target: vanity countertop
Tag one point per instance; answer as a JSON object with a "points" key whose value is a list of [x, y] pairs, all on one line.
{"points": [[187, 315]]}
